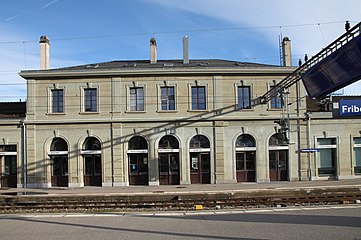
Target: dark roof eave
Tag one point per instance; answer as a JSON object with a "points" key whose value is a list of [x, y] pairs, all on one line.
{"points": [[35, 74]]}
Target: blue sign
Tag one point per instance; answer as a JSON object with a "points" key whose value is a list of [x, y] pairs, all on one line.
{"points": [[309, 150], [350, 108]]}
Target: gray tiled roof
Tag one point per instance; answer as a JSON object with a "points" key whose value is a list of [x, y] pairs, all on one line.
{"points": [[12, 109], [164, 64]]}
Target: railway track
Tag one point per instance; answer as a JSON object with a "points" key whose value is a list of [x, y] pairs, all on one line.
{"points": [[116, 203]]}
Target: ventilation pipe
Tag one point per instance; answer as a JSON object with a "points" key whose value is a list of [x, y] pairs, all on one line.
{"points": [[153, 50], [185, 50], [286, 52], [44, 53]]}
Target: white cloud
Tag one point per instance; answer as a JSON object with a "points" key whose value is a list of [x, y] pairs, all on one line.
{"points": [[260, 13], [17, 56], [310, 24]]}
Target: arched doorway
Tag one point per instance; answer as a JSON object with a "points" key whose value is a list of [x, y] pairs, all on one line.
{"points": [[138, 161], [246, 158], [8, 160], [91, 153], [200, 160], [59, 162], [168, 155], [278, 159]]}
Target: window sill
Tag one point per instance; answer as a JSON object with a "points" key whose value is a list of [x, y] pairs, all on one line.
{"points": [[59, 113], [135, 112], [206, 110], [89, 113], [167, 111]]}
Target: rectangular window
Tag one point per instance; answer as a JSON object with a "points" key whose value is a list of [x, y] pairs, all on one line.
{"points": [[276, 102], [167, 98], [8, 148], [357, 154], [136, 99], [57, 100], [91, 100], [244, 97], [327, 156], [199, 98], [10, 165]]}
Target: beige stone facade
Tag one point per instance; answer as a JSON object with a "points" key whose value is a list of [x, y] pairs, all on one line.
{"points": [[114, 122], [173, 122], [11, 148]]}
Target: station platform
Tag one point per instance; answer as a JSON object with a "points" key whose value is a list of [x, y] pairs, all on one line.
{"points": [[196, 189]]}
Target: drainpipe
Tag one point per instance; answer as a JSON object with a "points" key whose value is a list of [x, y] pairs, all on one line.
{"points": [[298, 129], [23, 144], [214, 153], [112, 152], [308, 118], [215, 106]]}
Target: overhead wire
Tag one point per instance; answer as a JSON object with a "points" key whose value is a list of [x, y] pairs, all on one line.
{"points": [[176, 31], [23, 42]]}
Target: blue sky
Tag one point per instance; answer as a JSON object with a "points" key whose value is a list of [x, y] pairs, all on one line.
{"points": [[84, 31]]}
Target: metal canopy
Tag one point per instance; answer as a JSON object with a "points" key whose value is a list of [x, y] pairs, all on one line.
{"points": [[318, 80]]}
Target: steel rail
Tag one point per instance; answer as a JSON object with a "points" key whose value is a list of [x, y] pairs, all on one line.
{"points": [[186, 204]]}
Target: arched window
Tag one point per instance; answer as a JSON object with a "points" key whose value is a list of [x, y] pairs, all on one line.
{"points": [[58, 144], [91, 143], [199, 141], [275, 140], [137, 142], [245, 140], [168, 142]]}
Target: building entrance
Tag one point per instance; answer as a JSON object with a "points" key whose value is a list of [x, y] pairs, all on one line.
{"points": [[278, 159], [59, 163], [168, 160], [59, 177], [200, 160], [92, 162], [278, 168], [92, 170], [8, 160], [138, 161], [200, 168], [245, 158]]}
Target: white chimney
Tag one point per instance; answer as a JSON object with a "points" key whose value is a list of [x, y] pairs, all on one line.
{"points": [[44, 53], [286, 52], [185, 50], [153, 50]]}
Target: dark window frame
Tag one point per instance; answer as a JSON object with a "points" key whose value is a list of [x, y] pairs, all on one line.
{"points": [[136, 99], [90, 100], [167, 98], [244, 100], [276, 102], [57, 100], [199, 97]]}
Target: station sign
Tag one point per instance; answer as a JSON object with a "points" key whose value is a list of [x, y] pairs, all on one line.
{"points": [[138, 151], [8, 153], [168, 150], [51, 153], [91, 152], [278, 148], [350, 108], [246, 149], [197, 150]]}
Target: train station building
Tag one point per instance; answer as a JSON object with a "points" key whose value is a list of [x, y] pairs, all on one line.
{"points": [[173, 122]]}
